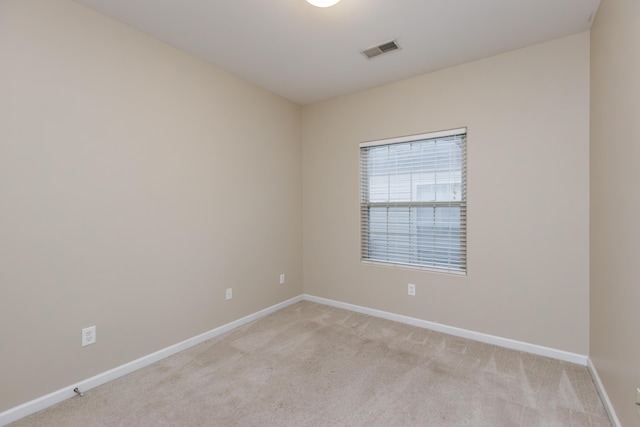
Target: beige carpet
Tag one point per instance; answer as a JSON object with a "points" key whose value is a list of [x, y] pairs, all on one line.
{"points": [[313, 365]]}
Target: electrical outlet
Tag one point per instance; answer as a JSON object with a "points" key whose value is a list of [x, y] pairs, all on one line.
{"points": [[282, 279], [411, 289], [89, 336], [229, 294]]}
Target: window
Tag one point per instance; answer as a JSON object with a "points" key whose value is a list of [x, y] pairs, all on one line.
{"points": [[413, 201]]}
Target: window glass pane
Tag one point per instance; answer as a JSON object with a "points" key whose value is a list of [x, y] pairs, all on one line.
{"points": [[438, 231], [413, 196], [404, 172]]}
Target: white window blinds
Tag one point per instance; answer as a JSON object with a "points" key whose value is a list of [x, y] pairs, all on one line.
{"points": [[413, 201]]}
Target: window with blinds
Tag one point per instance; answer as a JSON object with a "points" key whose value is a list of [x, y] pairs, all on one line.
{"points": [[413, 201]]}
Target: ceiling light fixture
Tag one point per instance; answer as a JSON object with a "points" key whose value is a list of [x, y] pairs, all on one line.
{"points": [[323, 3]]}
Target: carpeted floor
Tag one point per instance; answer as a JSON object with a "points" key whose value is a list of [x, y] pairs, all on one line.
{"points": [[314, 365]]}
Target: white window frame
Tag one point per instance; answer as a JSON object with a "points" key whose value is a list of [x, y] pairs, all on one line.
{"points": [[446, 250]]}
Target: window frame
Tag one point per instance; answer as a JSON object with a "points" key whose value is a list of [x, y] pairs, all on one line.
{"points": [[366, 204]]}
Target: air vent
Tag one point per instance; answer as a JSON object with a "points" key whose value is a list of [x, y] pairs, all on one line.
{"points": [[385, 47]]}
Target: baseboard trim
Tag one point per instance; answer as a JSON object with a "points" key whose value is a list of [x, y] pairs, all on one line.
{"points": [[603, 394], [65, 393], [463, 333]]}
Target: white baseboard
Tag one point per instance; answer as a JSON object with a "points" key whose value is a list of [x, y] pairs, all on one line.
{"points": [[603, 395], [58, 396], [464, 333], [51, 399]]}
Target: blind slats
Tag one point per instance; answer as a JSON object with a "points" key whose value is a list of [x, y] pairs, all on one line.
{"points": [[413, 202]]}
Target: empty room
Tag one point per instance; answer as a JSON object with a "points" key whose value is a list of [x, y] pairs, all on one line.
{"points": [[279, 213]]}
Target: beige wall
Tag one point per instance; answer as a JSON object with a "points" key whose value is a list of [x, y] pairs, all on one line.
{"points": [[136, 184], [527, 114], [615, 202]]}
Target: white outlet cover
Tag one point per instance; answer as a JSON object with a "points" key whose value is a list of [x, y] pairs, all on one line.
{"points": [[229, 294], [88, 336], [282, 279], [411, 289]]}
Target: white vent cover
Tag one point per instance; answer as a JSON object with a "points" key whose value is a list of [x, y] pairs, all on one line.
{"points": [[385, 47]]}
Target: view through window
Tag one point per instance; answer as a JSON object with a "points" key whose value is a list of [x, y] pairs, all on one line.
{"points": [[413, 201]]}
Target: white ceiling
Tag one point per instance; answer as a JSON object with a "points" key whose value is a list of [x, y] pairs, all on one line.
{"points": [[309, 54]]}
